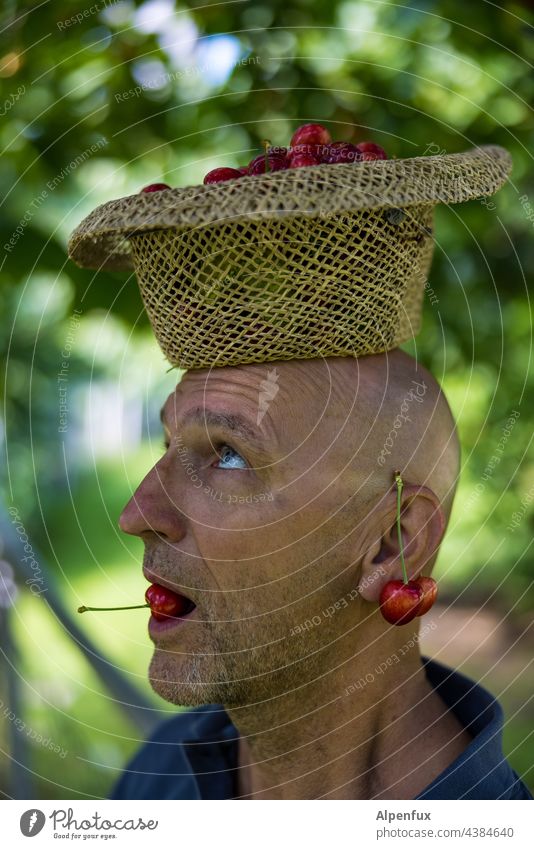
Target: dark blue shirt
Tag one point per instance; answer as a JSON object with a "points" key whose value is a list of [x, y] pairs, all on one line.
{"points": [[194, 754]]}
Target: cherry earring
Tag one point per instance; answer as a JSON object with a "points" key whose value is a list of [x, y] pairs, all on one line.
{"points": [[401, 601]]}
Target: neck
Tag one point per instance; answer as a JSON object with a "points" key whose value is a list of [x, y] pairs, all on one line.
{"points": [[348, 736]]}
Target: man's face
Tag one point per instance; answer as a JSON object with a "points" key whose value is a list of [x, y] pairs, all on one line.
{"points": [[245, 516]]}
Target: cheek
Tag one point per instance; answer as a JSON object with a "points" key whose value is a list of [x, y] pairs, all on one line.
{"points": [[257, 571], [229, 500], [238, 531], [271, 552]]}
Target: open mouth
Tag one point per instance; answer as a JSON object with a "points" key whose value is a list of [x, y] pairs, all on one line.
{"points": [[187, 606], [167, 605]]}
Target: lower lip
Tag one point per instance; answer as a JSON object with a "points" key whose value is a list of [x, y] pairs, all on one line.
{"points": [[161, 626]]}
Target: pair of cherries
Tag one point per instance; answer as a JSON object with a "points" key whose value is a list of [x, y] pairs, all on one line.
{"points": [[402, 600]]}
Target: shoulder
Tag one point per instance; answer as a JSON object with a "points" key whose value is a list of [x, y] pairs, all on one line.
{"points": [[160, 768], [482, 770]]}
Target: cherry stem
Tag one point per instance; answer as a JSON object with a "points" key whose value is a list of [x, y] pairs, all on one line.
{"points": [[83, 608], [266, 144], [399, 482]]}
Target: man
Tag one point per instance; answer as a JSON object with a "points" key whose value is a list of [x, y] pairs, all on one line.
{"points": [[272, 517], [283, 537]]}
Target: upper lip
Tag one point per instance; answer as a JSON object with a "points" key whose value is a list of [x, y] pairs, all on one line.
{"points": [[152, 578]]}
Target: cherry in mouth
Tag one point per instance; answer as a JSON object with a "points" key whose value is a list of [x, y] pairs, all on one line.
{"points": [[163, 603]]}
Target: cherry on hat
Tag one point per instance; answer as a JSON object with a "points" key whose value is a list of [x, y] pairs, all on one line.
{"points": [[325, 261]]}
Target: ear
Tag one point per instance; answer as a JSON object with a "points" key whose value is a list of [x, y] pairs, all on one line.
{"points": [[422, 528]]}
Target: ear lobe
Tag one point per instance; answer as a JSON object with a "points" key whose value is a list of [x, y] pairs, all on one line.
{"points": [[422, 528]]}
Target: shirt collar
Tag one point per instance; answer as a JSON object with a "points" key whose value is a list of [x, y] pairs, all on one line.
{"points": [[212, 752], [481, 771]]}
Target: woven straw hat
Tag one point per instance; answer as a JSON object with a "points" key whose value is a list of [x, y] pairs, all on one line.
{"points": [[329, 260]]}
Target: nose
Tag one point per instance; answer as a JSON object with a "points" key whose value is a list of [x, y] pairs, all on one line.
{"points": [[151, 510]]}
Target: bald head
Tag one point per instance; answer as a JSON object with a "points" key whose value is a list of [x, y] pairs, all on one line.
{"points": [[400, 419]]}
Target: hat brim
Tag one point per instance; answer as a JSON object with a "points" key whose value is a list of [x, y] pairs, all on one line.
{"points": [[102, 239]]}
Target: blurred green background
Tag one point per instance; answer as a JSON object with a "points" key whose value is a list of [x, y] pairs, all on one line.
{"points": [[100, 99]]}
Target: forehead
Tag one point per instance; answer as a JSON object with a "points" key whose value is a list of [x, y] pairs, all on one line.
{"points": [[285, 398]]}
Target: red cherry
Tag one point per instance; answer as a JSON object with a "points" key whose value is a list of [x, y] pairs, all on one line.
{"points": [[220, 175], [155, 187], [399, 602], [243, 170], [277, 162], [370, 150], [316, 150], [310, 134], [430, 592], [341, 152], [164, 602], [303, 160]]}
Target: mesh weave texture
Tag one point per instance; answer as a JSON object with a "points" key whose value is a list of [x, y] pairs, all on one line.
{"points": [[329, 260], [256, 291]]}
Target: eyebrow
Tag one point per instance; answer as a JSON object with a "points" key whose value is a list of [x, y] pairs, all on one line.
{"points": [[233, 423]]}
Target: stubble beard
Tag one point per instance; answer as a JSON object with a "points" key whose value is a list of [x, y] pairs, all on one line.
{"points": [[218, 672]]}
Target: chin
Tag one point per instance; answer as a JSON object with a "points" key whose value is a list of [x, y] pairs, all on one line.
{"points": [[191, 681]]}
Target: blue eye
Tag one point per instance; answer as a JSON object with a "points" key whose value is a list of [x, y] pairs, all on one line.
{"points": [[230, 458]]}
